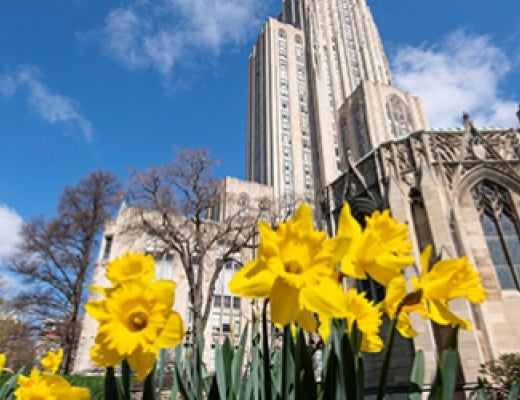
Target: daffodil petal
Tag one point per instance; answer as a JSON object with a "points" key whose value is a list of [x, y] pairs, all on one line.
{"points": [[172, 333], [253, 280], [105, 357], [303, 217], [324, 328], [371, 343], [326, 298], [96, 309], [142, 362], [425, 259], [383, 274], [338, 246], [165, 291], [404, 326], [284, 300], [307, 321], [440, 313], [347, 225]]}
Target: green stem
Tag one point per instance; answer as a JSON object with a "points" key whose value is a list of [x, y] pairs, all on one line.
{"points": [[110, 385], [267, 362], [125, 376], [386, 360]]}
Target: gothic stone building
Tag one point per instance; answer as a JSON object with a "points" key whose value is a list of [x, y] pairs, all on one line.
{"points": [[458, 190]]}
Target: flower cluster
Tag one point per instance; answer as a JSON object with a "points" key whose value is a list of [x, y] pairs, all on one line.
{"points": [[135, 315], [298, 269], [48, 385]]}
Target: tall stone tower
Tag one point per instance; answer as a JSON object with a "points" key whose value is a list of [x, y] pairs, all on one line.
{"points": [[320, 91]]}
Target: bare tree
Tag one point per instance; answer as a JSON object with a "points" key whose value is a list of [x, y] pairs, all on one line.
{"points": [[56, 256], [177, 205], [17, 344]]}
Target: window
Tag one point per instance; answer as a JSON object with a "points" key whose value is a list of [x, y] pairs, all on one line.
{"points": [[236, 302], [243, 205], [500, 226], [227, 301], [108, 247], [398, 116], [217, 300]]}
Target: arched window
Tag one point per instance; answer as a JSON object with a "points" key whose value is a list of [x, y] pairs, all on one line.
{"points": [[265, 209], [398, 116], [500, 226], [243, 205]]}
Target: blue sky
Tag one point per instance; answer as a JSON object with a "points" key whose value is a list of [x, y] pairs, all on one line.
{"points": [[87, 84]]}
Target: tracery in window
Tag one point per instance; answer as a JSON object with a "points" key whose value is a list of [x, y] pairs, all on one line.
{"points": [[500, 225], [243, 205], [398, 116]]}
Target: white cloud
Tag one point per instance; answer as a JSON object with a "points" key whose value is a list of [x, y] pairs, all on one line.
{"points": [[51, 107], [10, 226], [461, 73], [160, 34]]}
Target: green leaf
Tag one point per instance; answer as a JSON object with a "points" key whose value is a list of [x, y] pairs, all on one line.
{"points": [[10, 385], [197, 381], [305, 383], [443, 385], [481, 394], [160, 372], [360, 385], [288, 367], [515, 389], [417, 377], [182, 387], [330, 372], [220, 372], [236, 365], [350, 373], [213, 391]]}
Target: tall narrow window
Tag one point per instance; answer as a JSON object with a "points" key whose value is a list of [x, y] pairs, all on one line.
{"points": [[500, 226], [398, 116], [108, 247]]}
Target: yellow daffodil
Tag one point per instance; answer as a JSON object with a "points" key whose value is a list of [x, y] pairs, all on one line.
{"points": [[295, 270], [368, 320], [397, 298], [130, 266], [446, 280], [48, 387], [52, 361], [2, 362], [381, 250], [136, 320]]}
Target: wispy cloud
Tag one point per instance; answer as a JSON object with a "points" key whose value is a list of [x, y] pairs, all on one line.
{"points": [[10, 226], [461, 73], [163, 33], [52, 108]]}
